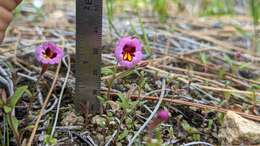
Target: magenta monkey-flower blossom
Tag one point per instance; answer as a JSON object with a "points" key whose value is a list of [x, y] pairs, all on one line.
{"points": [[128, 52], [49, 53]]}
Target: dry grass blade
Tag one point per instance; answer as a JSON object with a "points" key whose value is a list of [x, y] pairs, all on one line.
{"points": [[201, 106]]}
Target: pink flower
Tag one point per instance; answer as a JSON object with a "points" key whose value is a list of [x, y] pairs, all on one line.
{"points": [[49, 53], [163, 115], [128, 52]]}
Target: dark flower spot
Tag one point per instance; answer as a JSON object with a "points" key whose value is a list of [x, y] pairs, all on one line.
{"points": [[49, 53], [128, 49]]}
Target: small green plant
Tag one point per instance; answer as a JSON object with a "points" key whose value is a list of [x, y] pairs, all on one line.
{"points": [[204, 58], [143, 37], [158, 141], [255, 14], [253, 98], [141, 83], [160, 6], [219, 7], [9, 107], [147, 46], [125, 103], [191, 130], [123, 135], [49, 140], [110, 14]]}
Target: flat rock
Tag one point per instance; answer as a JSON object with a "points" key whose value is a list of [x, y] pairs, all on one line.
{"points": [[237, 130]]}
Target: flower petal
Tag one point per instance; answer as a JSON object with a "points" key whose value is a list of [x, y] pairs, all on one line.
{"points": [[135, 42]]}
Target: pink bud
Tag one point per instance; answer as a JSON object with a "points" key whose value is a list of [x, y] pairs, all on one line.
{"points": [[163, 115]]}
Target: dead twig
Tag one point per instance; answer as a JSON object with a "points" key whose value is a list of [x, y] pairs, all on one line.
{"points": [[61, 94], [201, 106]]}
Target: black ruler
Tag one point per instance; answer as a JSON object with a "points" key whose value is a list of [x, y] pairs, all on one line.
{"points": [[88, 54]]}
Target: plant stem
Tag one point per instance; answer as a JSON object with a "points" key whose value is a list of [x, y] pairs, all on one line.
{"points": [[254, 40], [16, 133], [152, 125], [7, 133], [1, 136], [110, 83], [5, 130], [109, 88], [254, 11], [44, 69]]}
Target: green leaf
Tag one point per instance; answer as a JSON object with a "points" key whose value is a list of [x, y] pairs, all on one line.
{"points": [[123, 101], [160, 6], [242, 31], [7, 109], [196, 137], [191, 130], [15, 123], [101, 121], [48, 139], [219, 7], [210, 123], [221, 73], [257, 87], [143, 37], [254, 9], [221, 117], [253, 96], [122, 135], [106, 71], [124, 74], [17, 95], [30, 127], [258, 45], [171, 132], [109, 6], [102, 99], [227, 95], [186, 126], [1, 103], [228, 59], [244, 65], [204, 58], [147, 46]]}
